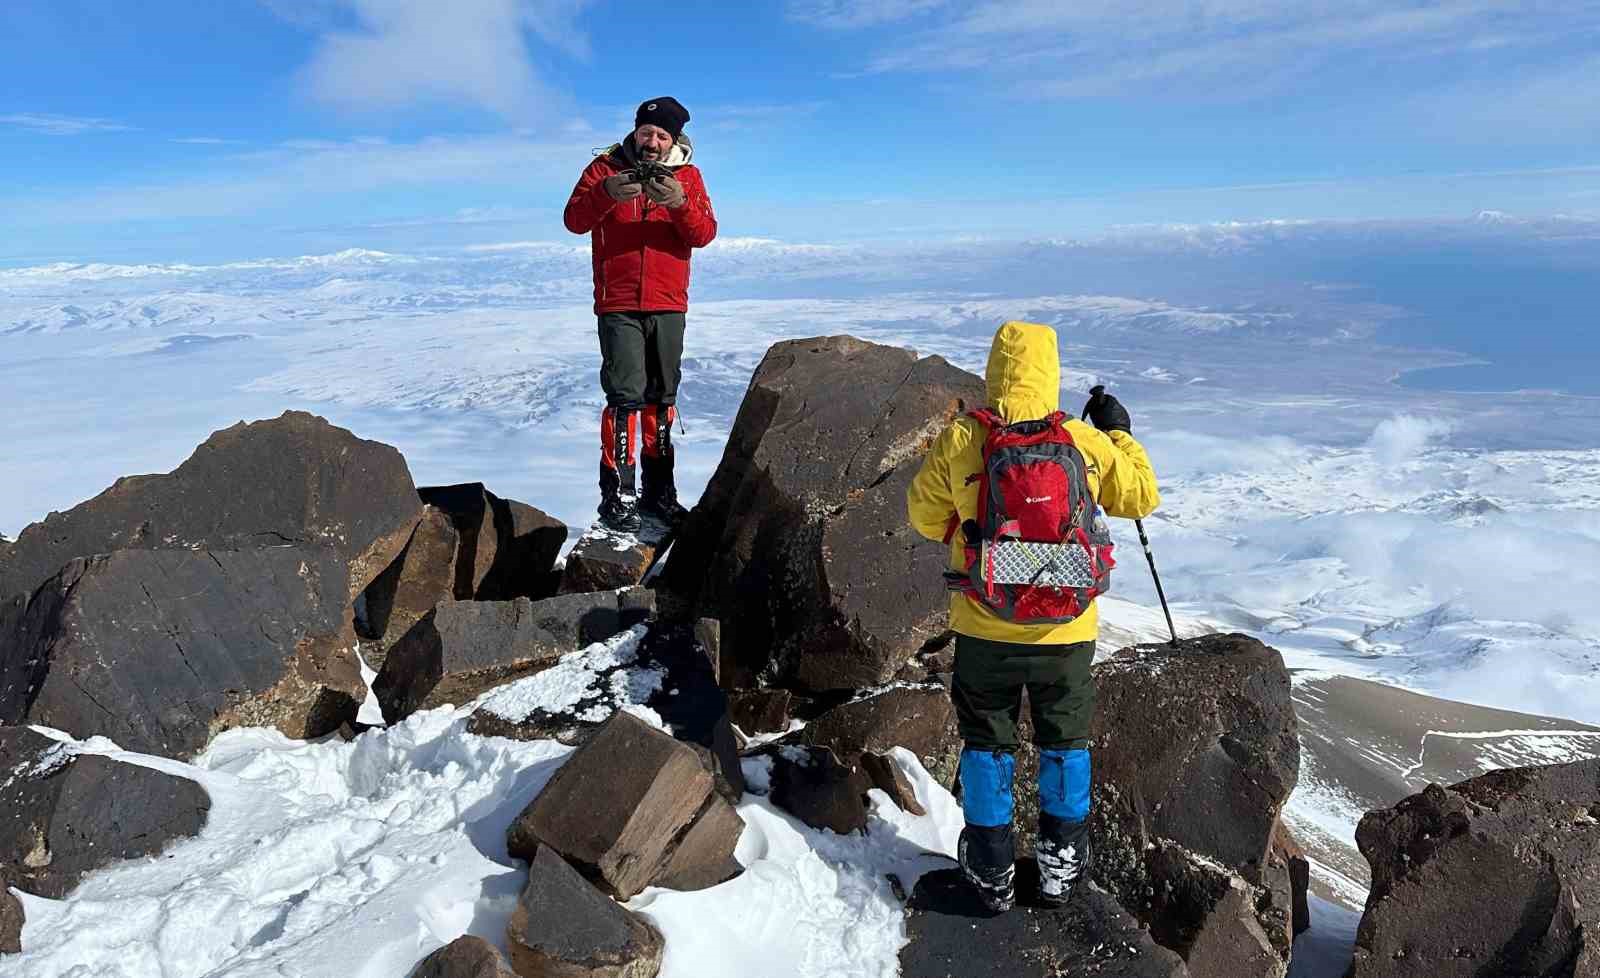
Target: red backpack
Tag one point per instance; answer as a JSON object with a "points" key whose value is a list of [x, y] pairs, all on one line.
{"points": [[1042, 551]]}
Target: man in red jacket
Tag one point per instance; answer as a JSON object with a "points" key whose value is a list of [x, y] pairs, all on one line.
{"points": [[645, 207]]}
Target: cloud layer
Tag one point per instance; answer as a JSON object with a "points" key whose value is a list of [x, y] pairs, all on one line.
{"points": [[389, 54], [61, 125]]}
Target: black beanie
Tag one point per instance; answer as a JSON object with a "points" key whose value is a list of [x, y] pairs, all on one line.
{"points": [[665, 112]]}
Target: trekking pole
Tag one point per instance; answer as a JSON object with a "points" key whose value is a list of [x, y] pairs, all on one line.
{"points": [[1095, 392], [1151, 557]]}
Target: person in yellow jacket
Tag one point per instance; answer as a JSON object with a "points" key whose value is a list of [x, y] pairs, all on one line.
{"points": [[995, 658]]}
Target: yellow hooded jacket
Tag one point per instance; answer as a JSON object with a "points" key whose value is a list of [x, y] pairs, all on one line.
{"points": [[1024, 383]]}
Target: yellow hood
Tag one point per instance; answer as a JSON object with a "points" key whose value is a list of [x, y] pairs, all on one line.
{"points": [[1024, 372]]}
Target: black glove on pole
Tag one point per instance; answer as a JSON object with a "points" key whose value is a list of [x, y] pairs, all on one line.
{"points": [[1107, 413]]}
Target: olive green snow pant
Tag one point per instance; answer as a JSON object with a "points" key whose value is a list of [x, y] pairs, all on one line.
{"points": [[987, 689], [641, 357]]}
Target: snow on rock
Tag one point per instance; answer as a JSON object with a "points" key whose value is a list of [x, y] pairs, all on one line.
{"points": [[329, 858], [589, 685], [357, 859], [810, 903]]}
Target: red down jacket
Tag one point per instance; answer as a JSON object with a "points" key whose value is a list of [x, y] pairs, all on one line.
{"points": [[641, 248]]}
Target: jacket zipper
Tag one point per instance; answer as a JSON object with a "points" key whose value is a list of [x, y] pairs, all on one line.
{"points": [[600, 233], [644, 216]]}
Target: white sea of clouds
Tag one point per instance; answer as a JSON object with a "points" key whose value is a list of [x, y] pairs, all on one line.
{"points": [[1444, 541]]}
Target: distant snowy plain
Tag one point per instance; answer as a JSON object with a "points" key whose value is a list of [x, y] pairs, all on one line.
{"points": [[1448, 543]]}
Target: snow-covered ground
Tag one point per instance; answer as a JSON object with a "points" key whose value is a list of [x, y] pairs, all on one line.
{"points": [[1447, 543], [355, 860]]}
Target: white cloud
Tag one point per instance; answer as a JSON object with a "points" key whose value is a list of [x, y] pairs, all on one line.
{"points": [[1216, 48], [299, 170], [1400, 439], [387, 54], [1550, 103], [61, 125], [849, 14], [207, 141]]}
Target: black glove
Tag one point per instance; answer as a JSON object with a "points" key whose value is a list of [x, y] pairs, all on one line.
{"points": [[971, 532], [1106, 412], [623, 186], [666, 191]]}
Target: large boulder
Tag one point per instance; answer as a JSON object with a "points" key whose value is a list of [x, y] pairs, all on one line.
{"points": [[563, 927], [622, 805], [160, 650], [818, 787], [462, 648], [465, 957], [507, 549], [948, 932], [1497, 875], [799, 544], [63, 814], [293, 481], [1346, 723], [1206, 726], [1195, 754], [921, 719]]}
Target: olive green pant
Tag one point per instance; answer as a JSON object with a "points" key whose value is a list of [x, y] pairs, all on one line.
{"points": [[990, 677], [641, 357]]}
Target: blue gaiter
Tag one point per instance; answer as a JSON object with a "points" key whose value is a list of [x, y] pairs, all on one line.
{"points": [[1063, 783], [986, 778]]}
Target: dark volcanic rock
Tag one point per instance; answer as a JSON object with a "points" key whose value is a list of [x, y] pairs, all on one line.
{"points": [[463, 648], [465, 957], [423, 575], [815, 786], [703, 856], [1195, 744], [162, 649], [295, 480], [887, 777], [692, 704], [564, 927], [708, 633], [665, 665], [1288, 854], [921, 719], [617, 806], [64, 814], [11, 921], [1498, 875], [756, 711], [604, 561], [1212, 917], [1206, 726], [507, 549], [799, 544], [949, 933]]}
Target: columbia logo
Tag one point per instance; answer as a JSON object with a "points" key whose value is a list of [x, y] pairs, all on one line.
{"points": [[1039, 499]]}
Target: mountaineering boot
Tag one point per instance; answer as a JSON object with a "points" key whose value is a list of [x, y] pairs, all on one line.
{"points": [[1063, 855], [987, 855], [1063, 846], [619, 501], [659, 496], [987, 852]]}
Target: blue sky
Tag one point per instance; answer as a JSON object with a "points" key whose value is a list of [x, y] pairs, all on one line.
{"points": [[201, 131]]}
